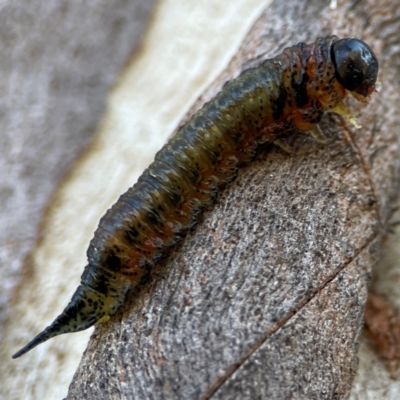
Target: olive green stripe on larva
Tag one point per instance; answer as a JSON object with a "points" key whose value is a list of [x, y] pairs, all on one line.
{"points": [[287, 93]]}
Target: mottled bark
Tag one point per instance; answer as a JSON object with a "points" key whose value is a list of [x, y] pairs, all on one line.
{"points": [[265, 297]]}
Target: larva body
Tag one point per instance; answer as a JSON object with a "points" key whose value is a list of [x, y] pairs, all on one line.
{"points": [[288, 92]]}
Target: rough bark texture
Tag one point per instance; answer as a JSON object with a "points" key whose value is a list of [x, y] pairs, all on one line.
{"points": [[265, 298], [57, 62]]}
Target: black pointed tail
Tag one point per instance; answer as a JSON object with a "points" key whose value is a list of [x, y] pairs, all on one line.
{"points": [[86, 308]]}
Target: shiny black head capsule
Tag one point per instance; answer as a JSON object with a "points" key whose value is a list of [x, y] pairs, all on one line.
{"points": [[356, 65]]}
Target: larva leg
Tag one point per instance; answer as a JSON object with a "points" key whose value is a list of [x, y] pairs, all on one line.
{"points": [[102, 320], [317, 134], [343, 110], [283, 145]]}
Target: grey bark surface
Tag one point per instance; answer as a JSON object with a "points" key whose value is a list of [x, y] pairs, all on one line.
{"points": [[57, 62], [265, 297]]}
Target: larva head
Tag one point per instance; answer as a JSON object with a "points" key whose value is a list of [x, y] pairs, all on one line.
{"points": [[356, 66]]}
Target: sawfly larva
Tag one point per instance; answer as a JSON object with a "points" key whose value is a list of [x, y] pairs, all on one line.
{"points": [[285, 93]]}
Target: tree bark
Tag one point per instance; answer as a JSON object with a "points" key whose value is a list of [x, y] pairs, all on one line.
{"points": [[265, 297]]}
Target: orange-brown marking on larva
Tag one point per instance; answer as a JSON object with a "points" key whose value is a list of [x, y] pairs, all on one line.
{"points": [[288, 91]]}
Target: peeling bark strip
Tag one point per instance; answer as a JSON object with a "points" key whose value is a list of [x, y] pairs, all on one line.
{"points": [[265, 299], [289, 91]]}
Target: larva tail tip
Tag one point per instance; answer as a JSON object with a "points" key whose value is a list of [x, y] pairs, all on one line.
{"points": [[22, 351], [81, 313], [77, 316], [40, 338]]}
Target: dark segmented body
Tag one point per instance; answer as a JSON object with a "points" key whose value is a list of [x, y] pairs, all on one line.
{"points": [[289, 91]]}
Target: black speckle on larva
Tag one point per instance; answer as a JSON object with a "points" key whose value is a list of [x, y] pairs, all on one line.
{"points": [[291, 90]]}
